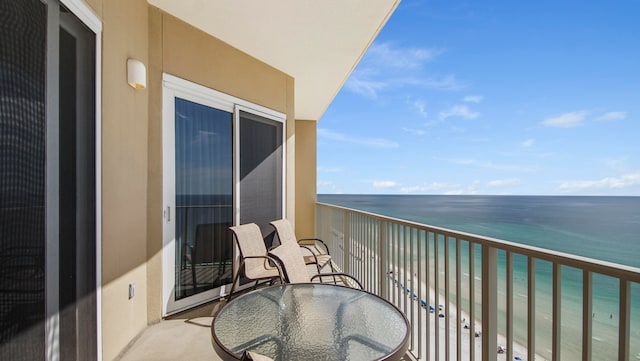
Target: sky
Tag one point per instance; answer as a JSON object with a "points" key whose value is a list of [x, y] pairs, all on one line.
{"points": [[491, 98]]}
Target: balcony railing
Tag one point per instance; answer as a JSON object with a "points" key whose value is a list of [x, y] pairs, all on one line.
{"points": [[494, 298]]}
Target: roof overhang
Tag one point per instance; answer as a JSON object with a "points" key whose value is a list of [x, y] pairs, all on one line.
{"points": [[317, 42]]}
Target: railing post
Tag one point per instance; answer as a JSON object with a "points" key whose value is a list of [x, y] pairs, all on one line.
{"points": [[383, 260], [587, 314], [625, 314], [346, 243], [557, 318], [489, 303], [531, 308]]}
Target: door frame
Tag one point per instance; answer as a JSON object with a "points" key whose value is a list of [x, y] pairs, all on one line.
{"points": [[172, 87], [52, 317]]}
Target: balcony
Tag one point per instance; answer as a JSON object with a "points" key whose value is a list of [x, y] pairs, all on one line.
{"points": [[526, 303]]}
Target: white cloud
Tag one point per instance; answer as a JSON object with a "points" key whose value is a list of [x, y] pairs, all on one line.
{"points": [[324, 186], [387, 66], [528, 143], [419, 106], [384, 184], [414, 131], [440, 188], [612, 116], [473, 98], [609, 183], [490, 165], [461, 111], [499, 183], [389, 56], [368, 142], [447, 82], [566, 120], [368, 88]]}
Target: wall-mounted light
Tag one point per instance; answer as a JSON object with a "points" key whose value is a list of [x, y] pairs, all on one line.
{"points": [[136, 74]]}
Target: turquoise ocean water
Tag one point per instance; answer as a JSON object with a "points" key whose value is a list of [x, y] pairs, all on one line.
{"points": [[603, 228]]}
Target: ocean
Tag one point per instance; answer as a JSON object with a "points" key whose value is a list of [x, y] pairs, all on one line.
{"points": [[603, 228]]}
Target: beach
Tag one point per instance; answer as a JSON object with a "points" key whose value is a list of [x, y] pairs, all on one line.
{"points": [[602, 228], [412, 304]]}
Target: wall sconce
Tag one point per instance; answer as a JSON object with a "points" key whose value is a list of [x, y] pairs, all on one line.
{"points": [[136, 74]]}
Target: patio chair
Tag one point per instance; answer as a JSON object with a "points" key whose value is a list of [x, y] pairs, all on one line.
{"points": [[295, 270], [284, 229], [255, 262]]}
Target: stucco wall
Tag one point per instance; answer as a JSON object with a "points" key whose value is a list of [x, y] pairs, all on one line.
{"points": [[305, 178], [124, 175], [179, 49], [132, 148]]}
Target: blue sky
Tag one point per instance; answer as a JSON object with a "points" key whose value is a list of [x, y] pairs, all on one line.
{"points": [[491, 97]]}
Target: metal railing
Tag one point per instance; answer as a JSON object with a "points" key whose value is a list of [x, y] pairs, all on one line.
{"points": [[469, 297]]}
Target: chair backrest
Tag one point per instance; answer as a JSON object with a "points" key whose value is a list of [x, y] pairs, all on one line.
{"points": [[285, 232], [292, 262], [251, 244]]}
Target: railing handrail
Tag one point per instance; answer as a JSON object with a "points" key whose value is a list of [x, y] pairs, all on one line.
{"points": [[625, 272]]}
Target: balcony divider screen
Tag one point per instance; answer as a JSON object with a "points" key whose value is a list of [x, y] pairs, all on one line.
{"points": [[47, 183], [22, 184]]}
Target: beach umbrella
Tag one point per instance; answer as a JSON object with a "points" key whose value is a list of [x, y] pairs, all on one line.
{"points": [[423, 303], [518, 358]]}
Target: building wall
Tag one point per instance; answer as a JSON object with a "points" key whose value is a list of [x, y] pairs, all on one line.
{"points": [[124, 174], [132, 149], [179, 49], [306, 178]]}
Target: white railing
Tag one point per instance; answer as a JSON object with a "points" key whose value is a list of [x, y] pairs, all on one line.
{"points": [[495, 298]]}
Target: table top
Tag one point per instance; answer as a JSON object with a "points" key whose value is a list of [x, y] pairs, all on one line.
{"points": [[311, 322]]}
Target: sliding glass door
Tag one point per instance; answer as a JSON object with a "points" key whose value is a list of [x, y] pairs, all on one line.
{"points": [[223, 165]]}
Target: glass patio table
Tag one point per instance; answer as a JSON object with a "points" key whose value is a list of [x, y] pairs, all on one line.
{"points": [[311, 322]]}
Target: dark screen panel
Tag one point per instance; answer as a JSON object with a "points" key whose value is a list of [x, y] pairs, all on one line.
{"points": [[22, 179], [260, 171]]}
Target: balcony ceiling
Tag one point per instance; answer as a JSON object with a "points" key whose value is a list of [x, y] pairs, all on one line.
{"points": [[317, 42]]}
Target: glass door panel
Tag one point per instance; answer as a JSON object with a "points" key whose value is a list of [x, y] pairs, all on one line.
{"points": [[203, 198]]}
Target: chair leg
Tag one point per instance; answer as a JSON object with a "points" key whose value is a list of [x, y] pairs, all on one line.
{"points": [[193, 278], [235, 279]]}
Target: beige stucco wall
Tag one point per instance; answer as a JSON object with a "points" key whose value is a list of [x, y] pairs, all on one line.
{"points": [[184, 51], [132, 148], [124, 174], [305, 178]]}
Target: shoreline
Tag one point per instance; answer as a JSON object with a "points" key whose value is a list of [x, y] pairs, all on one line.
{"points": [[519, 351]]}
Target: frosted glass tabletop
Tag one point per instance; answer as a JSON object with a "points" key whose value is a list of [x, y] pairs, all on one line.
{"points": [[311, 322]]}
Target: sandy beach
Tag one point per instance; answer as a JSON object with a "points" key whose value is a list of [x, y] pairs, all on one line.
{"points": [[411, 304]]}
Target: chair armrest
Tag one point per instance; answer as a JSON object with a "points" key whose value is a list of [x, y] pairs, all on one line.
{"points": [[316, 240], [315, 257], [268, 260], [338, 274]]}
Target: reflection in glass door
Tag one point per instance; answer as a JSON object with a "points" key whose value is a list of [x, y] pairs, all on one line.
{"points": [[203, 198], [223, 164]]}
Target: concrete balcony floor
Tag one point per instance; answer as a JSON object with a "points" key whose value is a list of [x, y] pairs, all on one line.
{"points": [[185, 336]]}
